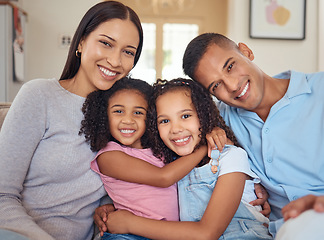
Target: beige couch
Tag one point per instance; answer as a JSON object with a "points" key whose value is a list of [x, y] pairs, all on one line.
{"points": [[4, 107]]}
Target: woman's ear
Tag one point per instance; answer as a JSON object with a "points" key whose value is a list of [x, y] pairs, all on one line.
{"points": [[246, 51]]}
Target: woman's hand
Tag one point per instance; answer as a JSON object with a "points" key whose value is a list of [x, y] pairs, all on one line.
{"points": [[295, 208], [118, 221], [101, 215], [262, 200]]}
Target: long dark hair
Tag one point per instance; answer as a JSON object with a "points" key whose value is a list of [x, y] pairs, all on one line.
{"points": [[96, 15], [95, 125], [207, 112]]}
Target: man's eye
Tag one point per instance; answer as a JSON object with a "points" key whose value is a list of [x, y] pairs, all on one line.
{"points": [[230, 67]]}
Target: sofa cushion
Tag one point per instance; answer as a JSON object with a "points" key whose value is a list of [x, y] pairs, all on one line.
{"points": [[4, 107]]}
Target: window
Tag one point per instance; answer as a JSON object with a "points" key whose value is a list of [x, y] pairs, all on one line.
{"points": [[163, 48]]}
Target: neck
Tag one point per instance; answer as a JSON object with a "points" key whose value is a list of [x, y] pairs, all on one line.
{"points": [[274, 90]]}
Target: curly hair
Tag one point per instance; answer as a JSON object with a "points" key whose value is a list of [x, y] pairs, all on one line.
{"points": [[95, 125], [207, 112]]}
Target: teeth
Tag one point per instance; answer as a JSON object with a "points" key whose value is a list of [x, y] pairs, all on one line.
{"points": [[107, 72], [127, 131], [182, 140], [244, 90]]}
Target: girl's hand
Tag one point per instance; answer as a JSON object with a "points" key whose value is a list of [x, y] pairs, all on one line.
{"points": [[101, 215], [118, 221], [262, 200], [294, 208], [218, 138]]}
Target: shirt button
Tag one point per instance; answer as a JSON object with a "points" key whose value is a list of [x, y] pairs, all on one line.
{"points": [[295, 197], [269, 160], [267, 130]]}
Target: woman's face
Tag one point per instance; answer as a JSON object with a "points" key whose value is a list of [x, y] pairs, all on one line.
{"points": [[178, 122], [107, 54]]}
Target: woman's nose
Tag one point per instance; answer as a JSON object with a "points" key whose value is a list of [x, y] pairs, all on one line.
{"points": [[114, 59]]}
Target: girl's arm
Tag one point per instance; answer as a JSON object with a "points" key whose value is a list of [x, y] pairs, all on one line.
{"points": [[122, 166], [221, 208]]}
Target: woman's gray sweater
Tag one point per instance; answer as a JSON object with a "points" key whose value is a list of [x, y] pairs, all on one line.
{"points": [[47, 189]]}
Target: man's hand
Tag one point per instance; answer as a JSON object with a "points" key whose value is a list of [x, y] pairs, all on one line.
{"points": [[262, 200], [295, 208], [101, 215]]}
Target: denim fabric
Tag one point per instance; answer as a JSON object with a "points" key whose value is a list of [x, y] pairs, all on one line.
{"points": [[110, 236], [194, 192], [10, 235]]}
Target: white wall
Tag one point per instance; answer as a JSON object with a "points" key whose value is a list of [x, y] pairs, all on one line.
{"points": [[274, 56], [47, 20]]}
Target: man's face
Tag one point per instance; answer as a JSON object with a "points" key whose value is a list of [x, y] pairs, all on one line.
{"points": [[230, 75]]}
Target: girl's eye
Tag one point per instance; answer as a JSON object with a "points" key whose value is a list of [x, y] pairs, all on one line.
{"points": [[139, 113], [117, 111], [105, 43], [164, 121], [185, 116]]}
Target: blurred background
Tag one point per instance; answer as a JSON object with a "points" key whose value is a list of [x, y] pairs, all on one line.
{"points": [[48, 26]]}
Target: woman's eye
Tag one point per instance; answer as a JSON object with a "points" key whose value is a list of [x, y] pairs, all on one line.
{"points": [[130, 53], [117, 111], [105, 43]]}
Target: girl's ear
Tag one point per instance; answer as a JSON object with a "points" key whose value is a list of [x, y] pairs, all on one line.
{"points": [[246, 51]]}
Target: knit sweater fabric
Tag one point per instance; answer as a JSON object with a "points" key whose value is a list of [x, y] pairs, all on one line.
{"points": [[47, 189]]}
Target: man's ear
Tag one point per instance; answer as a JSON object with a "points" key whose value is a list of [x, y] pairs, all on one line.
{"points": [[246, 51]]}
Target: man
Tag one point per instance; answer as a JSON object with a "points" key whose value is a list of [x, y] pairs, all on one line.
{"points": [[278, 120]]}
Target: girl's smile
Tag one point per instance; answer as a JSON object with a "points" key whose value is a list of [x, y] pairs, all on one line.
{"points": [[178, 122]]}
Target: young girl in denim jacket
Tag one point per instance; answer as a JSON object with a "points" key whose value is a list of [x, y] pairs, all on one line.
{"points": [[214, 197]]}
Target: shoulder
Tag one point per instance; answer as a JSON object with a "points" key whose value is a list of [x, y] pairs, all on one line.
{"points": [[112, 146]]}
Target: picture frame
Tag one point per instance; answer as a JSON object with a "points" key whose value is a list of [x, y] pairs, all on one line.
{"points": [[277, 19]]}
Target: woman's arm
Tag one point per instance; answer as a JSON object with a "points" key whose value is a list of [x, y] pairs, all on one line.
{"points": [[122, 166], [221, 208], [20, 134]]}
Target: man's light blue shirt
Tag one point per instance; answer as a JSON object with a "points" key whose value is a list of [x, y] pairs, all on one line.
{"points": [[287, 150]]}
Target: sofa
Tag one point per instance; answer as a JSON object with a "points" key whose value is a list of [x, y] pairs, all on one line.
{"points": [[4, 107]]}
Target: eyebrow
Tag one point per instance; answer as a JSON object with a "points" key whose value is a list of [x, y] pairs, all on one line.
{"points": [[224, 66], [226, 63], [104, 35], [119, 105], [181, 112]]}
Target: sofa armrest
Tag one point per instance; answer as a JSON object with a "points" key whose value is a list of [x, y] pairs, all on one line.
{"points": [[4, 107]]}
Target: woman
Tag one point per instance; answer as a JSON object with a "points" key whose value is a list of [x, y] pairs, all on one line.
{"points": [[47, 189]]}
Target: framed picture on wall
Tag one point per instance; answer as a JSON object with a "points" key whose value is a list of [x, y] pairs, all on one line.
{"points": [[278, 19]]}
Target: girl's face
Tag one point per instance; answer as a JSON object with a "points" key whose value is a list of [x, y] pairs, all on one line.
{"points": [[107, 54], [127, 114], [178, 122]]}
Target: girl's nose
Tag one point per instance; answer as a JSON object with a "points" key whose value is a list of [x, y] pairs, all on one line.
{"points": [[128, 119], [176, 128]]}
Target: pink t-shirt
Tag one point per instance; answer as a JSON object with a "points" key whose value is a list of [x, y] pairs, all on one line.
{"points": [[140, 199]]}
